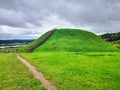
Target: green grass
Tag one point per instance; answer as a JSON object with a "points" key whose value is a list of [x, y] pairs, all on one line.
{"points": [[75, 40], [79, 70], [25, 48], [15, 76]]}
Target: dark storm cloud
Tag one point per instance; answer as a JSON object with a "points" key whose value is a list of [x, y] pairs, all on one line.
{"points": [[99, 16]]}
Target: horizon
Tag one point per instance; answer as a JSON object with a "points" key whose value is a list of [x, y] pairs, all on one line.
{"points": [[28, 19], [49, 30]]}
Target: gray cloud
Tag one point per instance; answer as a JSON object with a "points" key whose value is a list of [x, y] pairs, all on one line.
{"points": [[37, 16]]}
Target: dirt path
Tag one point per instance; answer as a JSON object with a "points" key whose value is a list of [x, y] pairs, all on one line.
{"points": [[38, 75]]}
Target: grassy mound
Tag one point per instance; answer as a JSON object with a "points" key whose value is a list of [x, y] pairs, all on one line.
{"points": [[74, 40]]}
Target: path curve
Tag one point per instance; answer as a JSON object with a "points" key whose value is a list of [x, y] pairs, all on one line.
{"points": [[37, 74]]}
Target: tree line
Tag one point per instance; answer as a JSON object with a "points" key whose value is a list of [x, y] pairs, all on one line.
{"points": [[111, 36]]}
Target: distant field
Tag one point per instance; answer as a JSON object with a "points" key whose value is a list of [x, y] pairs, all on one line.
{"points": [[15, 76], [79, 70]]}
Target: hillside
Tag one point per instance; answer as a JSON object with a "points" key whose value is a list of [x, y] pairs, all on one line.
{"points": [[72, 40], [31, 46]]}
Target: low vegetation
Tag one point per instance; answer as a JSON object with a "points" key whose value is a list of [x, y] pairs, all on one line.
{"points": [[15, 76], [79, 70], [113, 38], [116, 43]]}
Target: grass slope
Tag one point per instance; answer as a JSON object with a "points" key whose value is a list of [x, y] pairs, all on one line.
{"points": [[74, 40], [79, 71], [15, 76], [24, 49]]}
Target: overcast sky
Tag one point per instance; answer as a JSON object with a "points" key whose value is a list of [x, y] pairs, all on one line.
{"points": [[26, 19]]}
